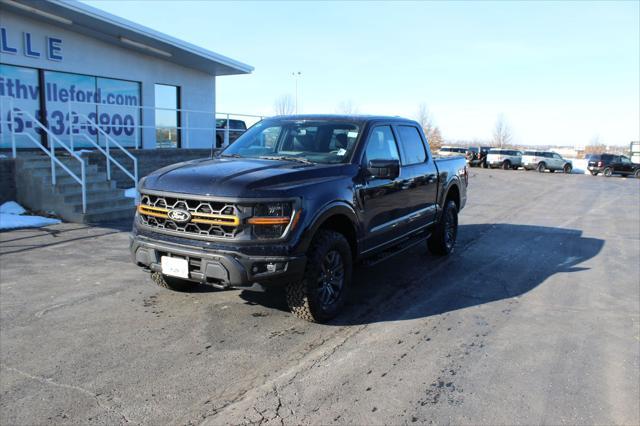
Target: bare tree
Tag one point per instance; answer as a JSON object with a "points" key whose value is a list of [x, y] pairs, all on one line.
{"points": [[424, 118], [501, 132], [430, 130], [595, 145], [347, 107], [435, 139], [284, 105]]}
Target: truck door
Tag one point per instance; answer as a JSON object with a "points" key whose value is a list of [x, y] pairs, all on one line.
{"points": [[382, 200], [420, 177]]}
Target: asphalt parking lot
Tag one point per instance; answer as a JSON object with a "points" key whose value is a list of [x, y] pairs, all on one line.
{"points": [[534, 319]]}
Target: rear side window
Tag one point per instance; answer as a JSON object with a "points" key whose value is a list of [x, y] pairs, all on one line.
{"points": [[237, 125], [381, 145], [412, 146]]}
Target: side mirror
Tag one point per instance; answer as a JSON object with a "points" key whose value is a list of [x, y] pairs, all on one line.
{"points": [[384, 169]]}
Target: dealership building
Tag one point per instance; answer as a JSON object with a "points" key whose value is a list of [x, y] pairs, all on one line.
{"points": [[145, 88], [75, 78]]}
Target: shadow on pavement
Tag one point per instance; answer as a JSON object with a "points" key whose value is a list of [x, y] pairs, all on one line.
{"points": [[491, 262]]}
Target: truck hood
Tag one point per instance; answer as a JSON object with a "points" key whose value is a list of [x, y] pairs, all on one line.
{"points": [[242, 177]]}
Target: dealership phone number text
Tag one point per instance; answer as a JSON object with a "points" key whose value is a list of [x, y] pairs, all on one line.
{"points": [[112, 124]]}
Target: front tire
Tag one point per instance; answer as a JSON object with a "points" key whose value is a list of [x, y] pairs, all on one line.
{"points": [[443, 240], [172, 283], [323, 290], [567, 168], [636, 174]]}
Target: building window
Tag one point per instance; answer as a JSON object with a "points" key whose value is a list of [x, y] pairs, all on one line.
{"points": [[19, 91], [112, 104], [167, 116]]}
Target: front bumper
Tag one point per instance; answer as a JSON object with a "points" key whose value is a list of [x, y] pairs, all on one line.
{"points": [[220, 268]]}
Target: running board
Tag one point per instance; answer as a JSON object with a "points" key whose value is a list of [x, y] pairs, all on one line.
{"points": [[397, 249]]}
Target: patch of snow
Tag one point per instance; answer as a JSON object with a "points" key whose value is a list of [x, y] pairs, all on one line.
{"points": [[82, 151], [11, 217], [3, 156], [14, 221], [11, 207], [579, 165], [131, 193]]}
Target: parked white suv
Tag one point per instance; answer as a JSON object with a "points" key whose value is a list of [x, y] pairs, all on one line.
{"points": [[504, 158], [545, 160]]}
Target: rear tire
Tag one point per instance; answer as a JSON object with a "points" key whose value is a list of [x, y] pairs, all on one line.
{"points": [[594, 173], [506, 165], [443, 239], [323, 290], [541, 167], [172, 283], [636, 174], [608, 172], [568, 168]]}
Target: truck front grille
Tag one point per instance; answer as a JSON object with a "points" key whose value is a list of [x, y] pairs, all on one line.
{"points": [[190, 216]]}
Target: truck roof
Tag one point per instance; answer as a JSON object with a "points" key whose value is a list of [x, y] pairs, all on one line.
{"points": [[347, 117]]}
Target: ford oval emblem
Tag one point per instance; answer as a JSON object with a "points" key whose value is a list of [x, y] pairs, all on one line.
{"points": [[180, 216]]}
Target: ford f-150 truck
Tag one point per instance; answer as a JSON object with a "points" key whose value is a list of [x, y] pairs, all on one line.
{"points": [[297, 201]]}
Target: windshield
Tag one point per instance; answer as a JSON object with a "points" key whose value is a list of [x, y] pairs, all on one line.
{"points": [[314, 141]]}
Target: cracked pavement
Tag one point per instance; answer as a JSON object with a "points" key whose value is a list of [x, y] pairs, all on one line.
{"points": [[534, 319]]}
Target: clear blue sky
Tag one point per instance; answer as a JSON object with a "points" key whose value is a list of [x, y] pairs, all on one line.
{"points": [[561, 72]]}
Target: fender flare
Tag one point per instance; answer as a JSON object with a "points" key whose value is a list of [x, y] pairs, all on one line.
{"points": [[334, 208], [445, 193]]}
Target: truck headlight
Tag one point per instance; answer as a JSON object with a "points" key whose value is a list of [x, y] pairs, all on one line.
{"points": [[270, 220]]}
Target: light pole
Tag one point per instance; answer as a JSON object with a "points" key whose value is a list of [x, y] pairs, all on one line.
{"points": [[296, 75]]}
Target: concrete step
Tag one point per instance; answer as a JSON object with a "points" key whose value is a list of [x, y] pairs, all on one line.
{"points": [[94, 195], [45, 169], [73, 188], [108, 215], [105, 202], [93, 178], [114, 203]]}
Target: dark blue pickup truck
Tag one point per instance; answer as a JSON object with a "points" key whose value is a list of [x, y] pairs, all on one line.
{"points": [[297, 201]]}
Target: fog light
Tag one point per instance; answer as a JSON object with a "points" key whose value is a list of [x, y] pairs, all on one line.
{"points": [[268, 267]]}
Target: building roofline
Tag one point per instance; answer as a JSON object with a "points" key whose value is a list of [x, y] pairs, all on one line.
{"points": [[85, 16]]}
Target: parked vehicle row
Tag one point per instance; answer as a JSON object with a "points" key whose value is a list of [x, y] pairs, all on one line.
{"points": [[541, 161]]}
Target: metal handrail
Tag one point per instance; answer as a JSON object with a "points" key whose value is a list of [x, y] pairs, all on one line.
{"points": [[51, 153], [185, 114], [106, 152]]}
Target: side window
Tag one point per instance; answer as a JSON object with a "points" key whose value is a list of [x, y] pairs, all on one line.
{"points": [[412, 146], [381, 145]]}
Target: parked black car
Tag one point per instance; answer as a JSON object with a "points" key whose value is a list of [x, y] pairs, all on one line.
{"points": [[236, 129], [477, 156], [295, 201], [610, 164]]}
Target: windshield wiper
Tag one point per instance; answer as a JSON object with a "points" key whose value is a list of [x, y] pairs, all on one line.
{"points": [[286, 158], [231, 155]]}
